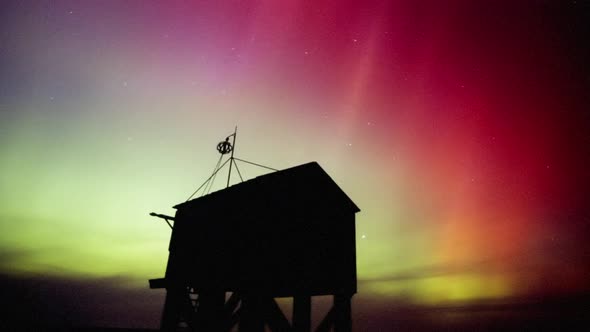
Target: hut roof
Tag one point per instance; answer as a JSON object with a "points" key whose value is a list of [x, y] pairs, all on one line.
{"points": [[306, 188]]}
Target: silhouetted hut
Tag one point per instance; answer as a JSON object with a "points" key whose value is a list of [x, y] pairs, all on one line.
{"points": [[290, 233]]}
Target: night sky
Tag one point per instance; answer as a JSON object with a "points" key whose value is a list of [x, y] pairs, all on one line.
{"points": [[460, 128]]}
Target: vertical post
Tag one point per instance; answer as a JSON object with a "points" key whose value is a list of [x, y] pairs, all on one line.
{"points": [[252, 314], [211, 304], [172, 308], [342, 318], [231, 158], [302, 313]]}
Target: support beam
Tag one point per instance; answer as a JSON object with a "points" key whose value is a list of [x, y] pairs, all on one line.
{"points": [[233, 320], [157, 283], [275, 318], [327, 322], [231, 304]]}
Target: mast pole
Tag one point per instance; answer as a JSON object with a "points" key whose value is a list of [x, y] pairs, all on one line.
{"points": [[231, 158]]}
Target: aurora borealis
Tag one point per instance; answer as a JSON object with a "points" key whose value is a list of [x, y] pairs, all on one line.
{"points": [[460, 128]]}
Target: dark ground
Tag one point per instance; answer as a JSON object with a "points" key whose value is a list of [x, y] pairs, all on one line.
{"points": [[44, 304]]}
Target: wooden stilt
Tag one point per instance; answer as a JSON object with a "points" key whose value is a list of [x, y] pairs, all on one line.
{"points": [[210, 312], [172, 309], [342, 319], [252, 311], [302, 313]]}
